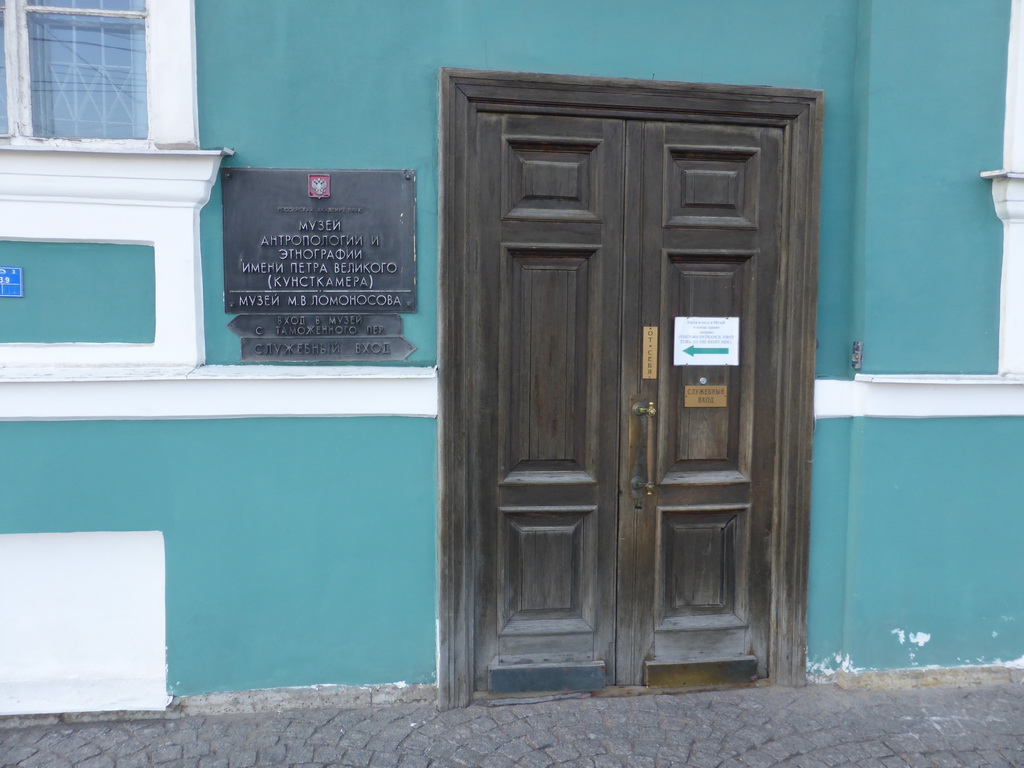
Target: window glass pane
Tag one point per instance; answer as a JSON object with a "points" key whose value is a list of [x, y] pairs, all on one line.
{"points": [[3, 76], [88, 76], [98, 5]]}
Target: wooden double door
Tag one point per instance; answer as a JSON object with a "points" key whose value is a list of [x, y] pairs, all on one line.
{"points": [[602, 522]]}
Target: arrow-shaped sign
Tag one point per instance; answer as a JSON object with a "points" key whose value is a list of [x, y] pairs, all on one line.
{"points": [[691, 350], [348, 350], [299, 325]]}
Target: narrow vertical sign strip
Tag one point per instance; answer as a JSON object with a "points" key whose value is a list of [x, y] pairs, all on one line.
{"points": [[650, 362]]}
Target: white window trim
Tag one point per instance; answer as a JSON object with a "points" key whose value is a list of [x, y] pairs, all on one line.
{"points": [[171, 73], [170, 82], [1008, 195], [150, 198]]}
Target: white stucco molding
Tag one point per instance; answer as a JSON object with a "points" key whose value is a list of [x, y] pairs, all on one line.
{"points": [[217, 392], [149, 197], [262, 391], [1008, 195], [171, 71], [919, 396]]}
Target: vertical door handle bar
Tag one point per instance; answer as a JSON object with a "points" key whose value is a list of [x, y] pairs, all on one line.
{"points": [[648, 412]]}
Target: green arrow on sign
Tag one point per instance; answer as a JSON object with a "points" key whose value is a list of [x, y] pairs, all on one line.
{"points": [[706, 351]]}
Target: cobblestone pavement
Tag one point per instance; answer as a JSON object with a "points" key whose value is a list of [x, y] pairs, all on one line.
{"points": [[814, 726]]}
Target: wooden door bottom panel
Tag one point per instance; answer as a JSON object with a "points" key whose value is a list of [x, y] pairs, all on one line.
{"points": [[699, 644], [546, 647], [734, 671]]}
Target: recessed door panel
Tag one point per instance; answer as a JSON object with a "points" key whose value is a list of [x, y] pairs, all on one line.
{"points": [[709, 284], [548, 563], [698, 554], [551, 179], [550, 296], [708, 186]]}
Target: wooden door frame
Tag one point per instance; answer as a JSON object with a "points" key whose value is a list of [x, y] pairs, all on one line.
{"points": [[466, 93]]}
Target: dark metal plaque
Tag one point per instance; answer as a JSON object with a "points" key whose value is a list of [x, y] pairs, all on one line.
{"points": [[304, 338], [306, 241]]}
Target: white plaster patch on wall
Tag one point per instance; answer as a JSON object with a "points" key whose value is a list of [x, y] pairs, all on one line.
{"points": [[919, 638], [915, 638], [82, 623], [826, 669], [819, 671]]}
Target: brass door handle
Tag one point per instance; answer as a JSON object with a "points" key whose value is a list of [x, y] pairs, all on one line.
{"points": [[639, 409], [639, 484]]}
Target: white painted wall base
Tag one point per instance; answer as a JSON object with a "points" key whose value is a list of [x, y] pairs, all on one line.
{"points": [[56, 696], [82, 622]]}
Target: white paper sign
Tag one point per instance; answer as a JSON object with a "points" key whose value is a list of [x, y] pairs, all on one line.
{"points": [[707, 341]]}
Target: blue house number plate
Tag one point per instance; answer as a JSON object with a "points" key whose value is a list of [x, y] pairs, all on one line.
{"points": [[10, 282]]}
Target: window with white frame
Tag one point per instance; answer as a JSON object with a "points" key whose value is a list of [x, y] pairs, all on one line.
{"points": [[74, 69], [99, 142]]}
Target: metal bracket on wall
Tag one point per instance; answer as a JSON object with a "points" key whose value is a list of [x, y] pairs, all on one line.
{"points": [[858, 355]]}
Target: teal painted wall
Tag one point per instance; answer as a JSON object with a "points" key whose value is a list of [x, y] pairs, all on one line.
{"points": [[340, 84], [910, 245], [298, 551], [86, 292], [830, 489], [931, 94], [931, 543], [295, 558], [909, 242]]}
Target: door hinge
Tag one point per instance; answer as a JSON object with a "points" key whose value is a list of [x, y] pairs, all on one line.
{"points": [[858, 355]]}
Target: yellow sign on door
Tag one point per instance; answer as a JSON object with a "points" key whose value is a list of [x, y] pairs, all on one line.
{"points": [[705, 396], [650, 363]]}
